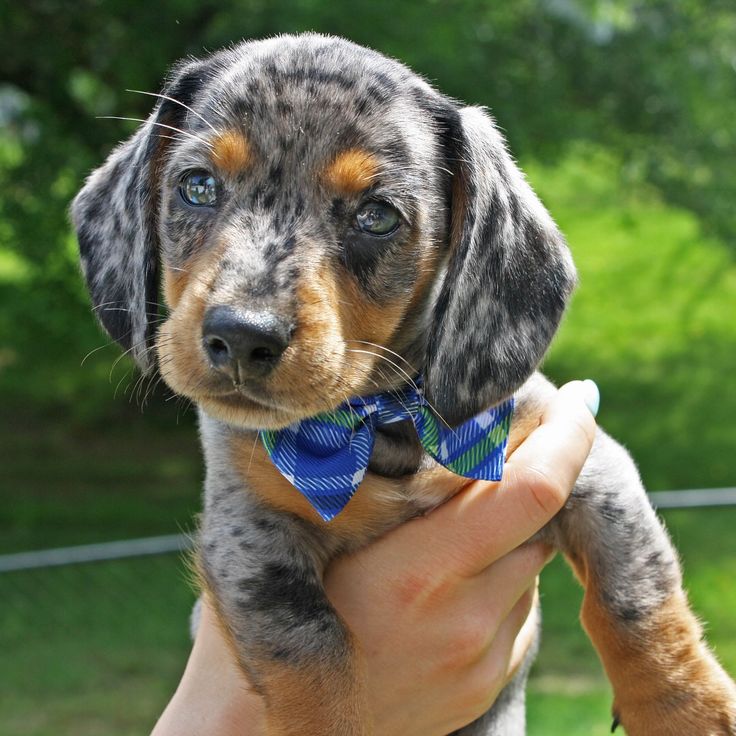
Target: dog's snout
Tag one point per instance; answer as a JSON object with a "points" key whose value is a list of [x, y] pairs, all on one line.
{"points": [[244, 344]]}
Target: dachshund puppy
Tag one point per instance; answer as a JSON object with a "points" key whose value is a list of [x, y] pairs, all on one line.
{"points": [[324, 225]]}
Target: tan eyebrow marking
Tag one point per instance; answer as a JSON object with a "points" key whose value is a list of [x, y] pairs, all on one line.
{"points": [[231, 151], [352, 171]]}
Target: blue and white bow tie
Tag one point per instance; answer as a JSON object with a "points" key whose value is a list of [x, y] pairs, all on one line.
{"points": [[326, 456]]}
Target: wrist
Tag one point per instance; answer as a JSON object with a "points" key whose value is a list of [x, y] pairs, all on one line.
{"points": [[213, 696]]}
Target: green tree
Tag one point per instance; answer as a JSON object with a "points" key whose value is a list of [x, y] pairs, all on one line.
{"points": [[655, 80]]}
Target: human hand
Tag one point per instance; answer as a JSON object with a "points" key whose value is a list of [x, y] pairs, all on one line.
{"points": [[442, 607]]}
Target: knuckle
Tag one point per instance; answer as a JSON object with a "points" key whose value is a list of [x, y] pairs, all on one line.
{"points": [[481, 687], [583, 433], [419, 588], [468, 640], [534, 558], [545, 494], [588, 428]]}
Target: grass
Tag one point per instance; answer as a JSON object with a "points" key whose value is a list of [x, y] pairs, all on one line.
{"points": [[652, 323], [97, 649], [72, 482], [91, 649]]}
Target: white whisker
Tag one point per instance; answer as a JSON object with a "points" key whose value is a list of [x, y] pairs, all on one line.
{"points": [[178, 102], [160, 125]]}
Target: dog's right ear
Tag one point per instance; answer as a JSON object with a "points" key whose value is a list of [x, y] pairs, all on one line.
{"points": [[508, 279], [116, 219]]}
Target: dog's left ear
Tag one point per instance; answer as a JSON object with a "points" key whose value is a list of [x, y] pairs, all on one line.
{"points": [[116, 219], [508, 278]]}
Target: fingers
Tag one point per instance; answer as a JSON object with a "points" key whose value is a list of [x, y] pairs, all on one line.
{"points": [[500, 586], [503, 657], [487, 520], [557, 449], [525, 636]]}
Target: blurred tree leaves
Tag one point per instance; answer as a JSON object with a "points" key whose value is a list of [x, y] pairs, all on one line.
{"points": [[655, 80]]}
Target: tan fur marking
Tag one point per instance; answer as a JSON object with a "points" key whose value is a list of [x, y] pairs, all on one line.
{"points": [[231, 152], [362, 319], [301, 700], [370, 510], [174, 283], [333, 315], [312, 375], [665, 680], [522, 425], [352, 171], [179, 338]]}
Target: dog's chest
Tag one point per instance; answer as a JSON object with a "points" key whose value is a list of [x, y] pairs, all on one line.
{"points": [[383, 500], [380, 503]]}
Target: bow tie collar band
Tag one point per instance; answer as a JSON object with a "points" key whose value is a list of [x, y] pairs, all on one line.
{"points": [[326, 456]]}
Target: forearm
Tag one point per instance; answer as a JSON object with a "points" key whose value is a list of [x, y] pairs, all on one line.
{"points": [[438, 604], [213, 696]]}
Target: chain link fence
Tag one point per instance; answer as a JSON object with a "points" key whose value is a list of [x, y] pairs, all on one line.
{"points": [[94, 647], [94, 638]]}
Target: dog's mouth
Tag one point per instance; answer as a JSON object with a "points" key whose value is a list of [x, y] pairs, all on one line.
{"points": [[249, 394], [243, 410], [252, 406]]}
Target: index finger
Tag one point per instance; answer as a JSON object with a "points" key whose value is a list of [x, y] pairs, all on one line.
{"points": [[487, 520]]}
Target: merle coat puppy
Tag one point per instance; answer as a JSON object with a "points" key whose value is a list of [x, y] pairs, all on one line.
{"points": [[324, 224]]}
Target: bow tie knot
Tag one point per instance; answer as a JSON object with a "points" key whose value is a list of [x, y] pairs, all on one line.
{"points": [[326, 456]]}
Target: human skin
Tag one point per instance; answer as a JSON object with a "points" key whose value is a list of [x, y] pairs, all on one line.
{"points": [[442, 607]]}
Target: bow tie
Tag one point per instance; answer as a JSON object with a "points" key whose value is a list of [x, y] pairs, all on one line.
{"points": [[326, 456]]}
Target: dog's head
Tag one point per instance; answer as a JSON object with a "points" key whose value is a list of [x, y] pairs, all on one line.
{"points": [[322, 224]]}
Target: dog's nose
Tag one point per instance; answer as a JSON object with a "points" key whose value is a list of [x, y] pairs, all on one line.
{"points": [[244, 344]]}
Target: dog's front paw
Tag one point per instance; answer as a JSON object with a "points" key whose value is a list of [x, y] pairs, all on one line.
{"points": [[678, 714], [666, 682]]}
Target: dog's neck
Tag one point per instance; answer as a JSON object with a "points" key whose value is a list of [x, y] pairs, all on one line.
{"points": [[397, 451]]}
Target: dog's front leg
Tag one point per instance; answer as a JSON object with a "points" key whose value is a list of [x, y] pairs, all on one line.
{"points": [[665, 680], [262, 574]]}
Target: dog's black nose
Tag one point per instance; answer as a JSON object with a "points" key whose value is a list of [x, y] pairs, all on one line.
{"points": [[244, 344]]}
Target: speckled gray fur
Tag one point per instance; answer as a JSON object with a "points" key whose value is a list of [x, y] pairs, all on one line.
{"points": [[478, 333]]}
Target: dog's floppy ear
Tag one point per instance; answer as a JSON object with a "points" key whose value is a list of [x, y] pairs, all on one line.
{"points": [[115, 216], [508, 278]]}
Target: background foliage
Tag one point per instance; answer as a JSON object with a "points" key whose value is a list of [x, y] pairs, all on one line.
{"points": [[620, 111], [651, 80]]}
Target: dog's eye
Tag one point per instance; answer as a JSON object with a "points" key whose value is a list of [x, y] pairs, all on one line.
{"points": [[377, 218], [199, 188]]}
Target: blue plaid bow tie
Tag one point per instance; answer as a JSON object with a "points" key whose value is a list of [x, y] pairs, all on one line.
{"points": [[326, 456]]}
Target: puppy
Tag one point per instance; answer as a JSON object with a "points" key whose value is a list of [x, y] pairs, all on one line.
{"points": [[325, 225]]}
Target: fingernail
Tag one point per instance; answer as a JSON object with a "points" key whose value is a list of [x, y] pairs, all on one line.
{"points": [[591, 396]]}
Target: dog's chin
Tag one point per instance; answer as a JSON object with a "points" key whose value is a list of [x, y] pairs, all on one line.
{"points": [[252, 407], [248, 407], [242, 409], [245, 413]]}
